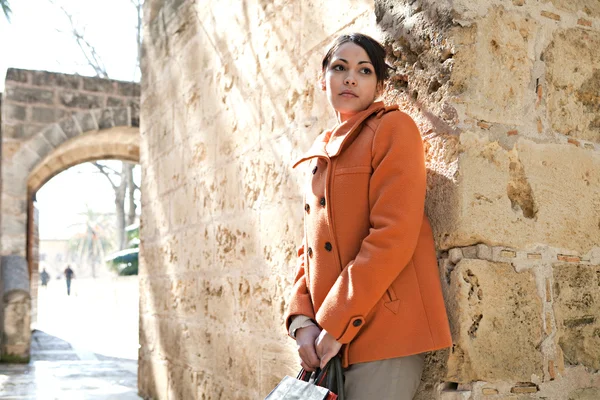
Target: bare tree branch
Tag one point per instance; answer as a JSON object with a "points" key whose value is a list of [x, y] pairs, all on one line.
{"points": [[138, 6], [89, 51], [104, 170]]}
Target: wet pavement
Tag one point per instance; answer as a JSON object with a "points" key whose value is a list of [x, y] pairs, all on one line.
{"points": [[59, 371]]}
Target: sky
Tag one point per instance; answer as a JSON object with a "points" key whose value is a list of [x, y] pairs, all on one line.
{"points": [[37, 38]]}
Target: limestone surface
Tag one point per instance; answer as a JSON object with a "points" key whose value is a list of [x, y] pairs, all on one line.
{"points": [[573, 79], [496, 322], [576, 300]]}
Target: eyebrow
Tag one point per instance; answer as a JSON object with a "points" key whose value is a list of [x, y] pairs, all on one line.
{"points": [[360, 62]]}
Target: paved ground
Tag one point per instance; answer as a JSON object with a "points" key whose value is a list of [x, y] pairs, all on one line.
{"points": [[57, 371], [84, 346]]}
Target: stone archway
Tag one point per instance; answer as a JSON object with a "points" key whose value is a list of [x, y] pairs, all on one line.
{"points": [[109, 133]]}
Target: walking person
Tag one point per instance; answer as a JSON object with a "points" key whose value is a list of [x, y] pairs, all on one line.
{"points": [[45, 277], [69, 274], [367, 283]]}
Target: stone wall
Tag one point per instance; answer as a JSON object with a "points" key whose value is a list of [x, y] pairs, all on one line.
{"points": [[506, 96], [49, 123], [229, 99], [508, 99]]}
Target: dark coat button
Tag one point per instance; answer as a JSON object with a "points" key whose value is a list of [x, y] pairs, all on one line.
{"points": [[322, 201], [357, 323], [315, 170], [328, 246], [310, 251], [306, 208]]}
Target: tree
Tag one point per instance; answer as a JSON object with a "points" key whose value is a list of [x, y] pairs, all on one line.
{"points": [[125, 187], [93, 240], [6, 9]]}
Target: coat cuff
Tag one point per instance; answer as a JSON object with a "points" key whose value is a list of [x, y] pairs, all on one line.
{"points": [[348, 332]]}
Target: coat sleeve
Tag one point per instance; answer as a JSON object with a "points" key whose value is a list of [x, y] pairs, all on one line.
{"points": [[300, 300], [397, 200]]}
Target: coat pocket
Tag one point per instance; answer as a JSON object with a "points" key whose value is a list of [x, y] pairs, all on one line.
{"points": [[391, 302]]}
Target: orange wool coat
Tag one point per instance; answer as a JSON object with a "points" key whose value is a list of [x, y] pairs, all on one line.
{"points": [[367, 270]]}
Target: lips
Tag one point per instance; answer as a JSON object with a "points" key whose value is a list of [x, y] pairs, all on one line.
{"points": [[348, 93]]}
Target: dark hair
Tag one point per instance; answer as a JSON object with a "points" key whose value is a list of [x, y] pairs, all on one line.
{"points": [[372, 47]]}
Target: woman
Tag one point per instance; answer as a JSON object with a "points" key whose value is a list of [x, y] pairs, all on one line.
{"points": [[367, 283]]}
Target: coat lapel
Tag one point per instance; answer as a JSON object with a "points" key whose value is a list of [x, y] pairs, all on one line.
{"points": [[342, 134], [349, 129]]}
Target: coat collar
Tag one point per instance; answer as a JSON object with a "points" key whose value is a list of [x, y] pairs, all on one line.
{"points": [[328, 146]]}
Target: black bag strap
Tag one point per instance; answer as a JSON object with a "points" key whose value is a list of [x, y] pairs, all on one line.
{"points": [[330, 377]]}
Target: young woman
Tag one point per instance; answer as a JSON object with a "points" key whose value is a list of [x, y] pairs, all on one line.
{"points": [[367, 283]]}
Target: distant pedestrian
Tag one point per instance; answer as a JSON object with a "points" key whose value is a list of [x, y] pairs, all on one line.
{"points": [[45, 277], [69, 274]]}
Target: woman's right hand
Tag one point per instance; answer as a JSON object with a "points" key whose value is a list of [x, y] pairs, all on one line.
{"points": [[305, 339]]}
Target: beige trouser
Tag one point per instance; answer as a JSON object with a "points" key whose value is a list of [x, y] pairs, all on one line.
{"points": [[392, 379]]}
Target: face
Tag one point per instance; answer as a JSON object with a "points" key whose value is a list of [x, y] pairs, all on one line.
{"points": [[350, 81]]}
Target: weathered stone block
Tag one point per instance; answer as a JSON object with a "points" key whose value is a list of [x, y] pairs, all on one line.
{"points": [[281, 229], [16, 321], [44, 115], [153, 377], [40, 145], [13, 131], [14, 205], [500, 92], [592, 393], [508, 197], [128, 89], [43, 78], [121, 117], [574, 82], [235, 241], [14, 224], [29, 95], [170, 173], [86, 121], [185, 386], [576, 299], [80, 100], [104, 118], [591, 8], [54, 135], [69, 127], [15, 274], [17, 75], [9, 149], [496, 322], [93, 84], [114, 101], [14, 112]]}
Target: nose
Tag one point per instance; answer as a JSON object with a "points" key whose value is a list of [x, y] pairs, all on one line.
{"points": [[350, 81]]}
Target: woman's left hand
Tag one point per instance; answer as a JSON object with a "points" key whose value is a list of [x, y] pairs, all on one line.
{"points": [[327, 347]]}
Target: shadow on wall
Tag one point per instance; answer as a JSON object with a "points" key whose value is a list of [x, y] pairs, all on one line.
{"points": [[213, 293]]}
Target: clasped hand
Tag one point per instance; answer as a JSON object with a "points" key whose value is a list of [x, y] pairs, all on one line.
{"points": [[315, 347]]}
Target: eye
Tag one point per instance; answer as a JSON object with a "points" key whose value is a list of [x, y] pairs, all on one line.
{"points": [[366, 71], [338, 67]]}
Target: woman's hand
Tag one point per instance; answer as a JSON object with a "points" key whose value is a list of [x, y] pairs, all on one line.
{"points": [[327, 347], [305, 339]]}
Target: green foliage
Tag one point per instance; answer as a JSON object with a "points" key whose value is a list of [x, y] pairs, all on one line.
{"points": [[94, 239], [125, 262], [14, 359]]}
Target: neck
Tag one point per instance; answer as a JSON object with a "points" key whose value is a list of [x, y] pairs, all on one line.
{"points": [[342, 117]]}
